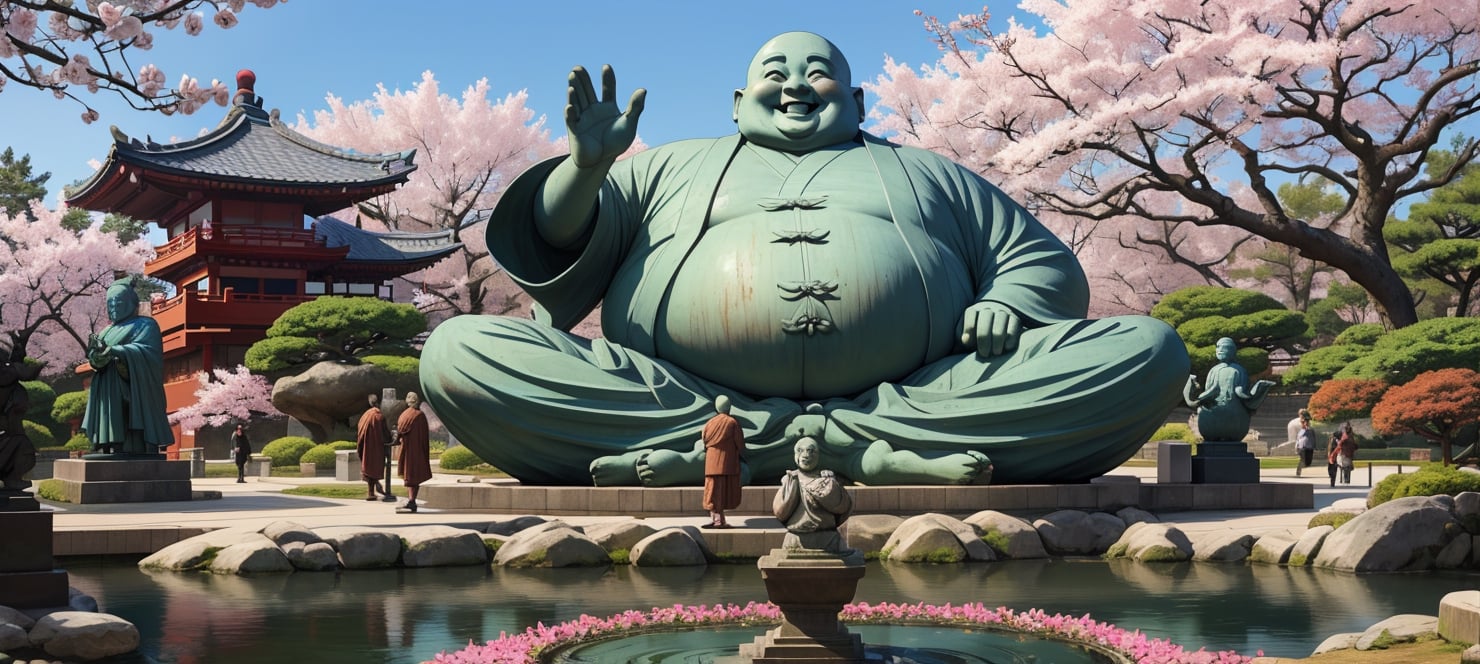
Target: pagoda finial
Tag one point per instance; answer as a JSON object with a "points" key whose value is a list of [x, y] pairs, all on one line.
{"points": [[246, 83]]}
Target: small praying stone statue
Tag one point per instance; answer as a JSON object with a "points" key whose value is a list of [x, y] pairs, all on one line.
{"points": [[17, 453], [812, 504], [1228, 402]]}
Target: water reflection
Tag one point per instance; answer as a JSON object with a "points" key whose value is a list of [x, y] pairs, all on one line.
{"points": [[408, 615]]}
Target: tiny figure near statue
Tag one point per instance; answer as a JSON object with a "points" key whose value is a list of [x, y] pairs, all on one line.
{"points": [[1228, 402], [812, 503], [371, 440], [413, 435], [723, 440]]}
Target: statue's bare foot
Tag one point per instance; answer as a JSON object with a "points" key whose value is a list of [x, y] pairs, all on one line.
{"points": [[658, 468], [882, 464], [616, 470]]}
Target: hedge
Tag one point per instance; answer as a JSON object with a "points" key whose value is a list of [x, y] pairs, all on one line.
{"points": [[288, 450], [323, 455], [1431, 479], [459, 458]]}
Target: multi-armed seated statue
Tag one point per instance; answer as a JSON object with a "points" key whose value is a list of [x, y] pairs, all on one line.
{"points": [[882, 300]]}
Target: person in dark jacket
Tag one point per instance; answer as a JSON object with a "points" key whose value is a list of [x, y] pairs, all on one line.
{"points": [[242, 452]]}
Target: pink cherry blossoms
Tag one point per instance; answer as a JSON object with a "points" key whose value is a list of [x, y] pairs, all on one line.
{"points": [[525, 647], [226, 396], [70, 48]]}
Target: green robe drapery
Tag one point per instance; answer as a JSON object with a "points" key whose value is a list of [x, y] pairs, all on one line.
{"points": [[129, 414]]}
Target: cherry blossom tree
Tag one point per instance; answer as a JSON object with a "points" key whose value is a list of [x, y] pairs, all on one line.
{"points": [[226, 395], [1192, 113], [67, 47], [53, 283], [468, 150]]}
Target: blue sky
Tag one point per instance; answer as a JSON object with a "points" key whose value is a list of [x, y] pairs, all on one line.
{"points": [[689, 55]]}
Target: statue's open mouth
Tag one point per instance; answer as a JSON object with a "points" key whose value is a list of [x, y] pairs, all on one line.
{"points": [[798, 108]]}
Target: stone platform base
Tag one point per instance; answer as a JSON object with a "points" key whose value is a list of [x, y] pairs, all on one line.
{"points": [[1106, 493], [28, 578], [1224, 463], [86, 481]]}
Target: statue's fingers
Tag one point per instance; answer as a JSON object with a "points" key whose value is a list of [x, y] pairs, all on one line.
{"points": [[984, 333], [608, 84], [968, 329], [1014, 332], [582, 95], [999, 332], [636, 104]]}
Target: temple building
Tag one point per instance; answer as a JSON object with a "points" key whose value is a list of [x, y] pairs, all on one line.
{"points": [[242, 207]]}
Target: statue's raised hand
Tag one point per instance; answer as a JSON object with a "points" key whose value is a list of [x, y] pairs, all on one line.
{"points": [[598, 130], [990, 329]]}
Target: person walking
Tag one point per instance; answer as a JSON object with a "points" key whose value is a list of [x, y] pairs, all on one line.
{"points": [[1331, 448], [243, 452], [370, 440], [1305, 445], [723, 441], [1346, 452]]}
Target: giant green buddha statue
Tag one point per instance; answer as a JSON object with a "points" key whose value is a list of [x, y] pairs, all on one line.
{"points": [[882, 300]]}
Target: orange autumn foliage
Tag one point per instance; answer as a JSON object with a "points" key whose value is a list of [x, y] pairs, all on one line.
{"points": [[1435, 404], [1345, 398]]}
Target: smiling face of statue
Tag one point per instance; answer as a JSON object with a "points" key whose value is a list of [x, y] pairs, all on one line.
{"points": [[1226, 350], [798, 95], [123, 303], [806, 454]]}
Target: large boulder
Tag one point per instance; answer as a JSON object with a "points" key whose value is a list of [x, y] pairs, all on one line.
{"points": [[618, 535], [670, 547], [937, 538], [1078, 533], [84, 636], [1308, 546], [1406, 534], [869, 532], [283, 532], [1335, 642], [441, 546], [316, 557], [1222, 546], [1009, 536], [1152, 543], [1273, 549], [1404, 628], [252, 556], [363, 548], [197, 552], [514, 525], [12, 637], [551, 547], [329, 395]]}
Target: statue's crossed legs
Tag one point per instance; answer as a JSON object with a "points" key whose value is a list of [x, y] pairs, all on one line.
{"points": [[1073, 401]]}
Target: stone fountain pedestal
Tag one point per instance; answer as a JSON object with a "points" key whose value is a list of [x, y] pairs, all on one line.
{"points": [[810, 587]]}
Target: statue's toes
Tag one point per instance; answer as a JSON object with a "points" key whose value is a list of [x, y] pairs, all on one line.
{"points": [[614, 471], [979, 470]]}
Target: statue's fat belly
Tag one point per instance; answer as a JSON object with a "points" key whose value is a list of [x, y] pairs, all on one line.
{"points": [[805, 304]]}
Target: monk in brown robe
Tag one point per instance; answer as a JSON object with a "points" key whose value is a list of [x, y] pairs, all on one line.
{"points": [[370, 441], [416, 451], [723, 441]]}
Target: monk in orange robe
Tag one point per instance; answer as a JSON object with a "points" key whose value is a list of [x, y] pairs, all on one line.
{"points": [[370, 443], [416, 451], [723, 441]]}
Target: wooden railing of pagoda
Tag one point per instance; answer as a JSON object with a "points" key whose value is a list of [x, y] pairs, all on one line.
{"points": [[224, 310], [237, 236]]}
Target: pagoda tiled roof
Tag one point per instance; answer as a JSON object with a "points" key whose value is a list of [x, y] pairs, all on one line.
{"points": [[252, 145], [390, 248]]}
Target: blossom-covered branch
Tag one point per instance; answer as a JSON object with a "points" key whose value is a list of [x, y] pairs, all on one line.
{"points": [[66, 47], [235, 395]]}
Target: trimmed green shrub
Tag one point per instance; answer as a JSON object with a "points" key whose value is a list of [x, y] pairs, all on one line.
{"points": [[323, 455], [52, 490], [288, 450], [1431, 479], [69, 406], [1174, 431], [79, 441], [42, 398], [1333, 519], [40, 436], [459, 458], [396, 365]]}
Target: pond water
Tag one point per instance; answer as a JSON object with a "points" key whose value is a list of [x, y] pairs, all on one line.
{"points": [[408, 615]]}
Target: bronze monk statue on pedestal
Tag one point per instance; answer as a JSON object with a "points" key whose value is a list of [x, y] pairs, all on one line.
{"points": [[882, 300]]}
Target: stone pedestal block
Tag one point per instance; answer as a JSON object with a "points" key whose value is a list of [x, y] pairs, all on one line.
{"points": [[87, 481], [810, 588], [27, 575], [347, 465], [260, 465], [1459, 616], [197, 458], [1173, 462], [1224, 463]]}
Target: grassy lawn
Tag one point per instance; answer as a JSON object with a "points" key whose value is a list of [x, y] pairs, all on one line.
{"points": [[343, 490]]}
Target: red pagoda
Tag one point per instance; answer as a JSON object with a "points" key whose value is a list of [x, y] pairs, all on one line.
{"points": [[241, 206]]}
